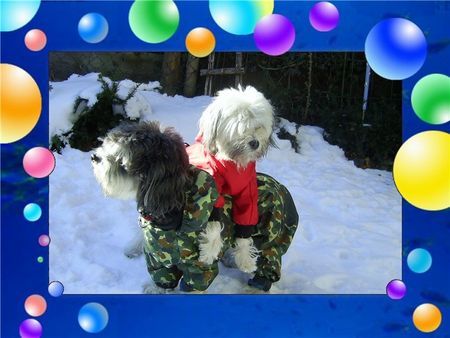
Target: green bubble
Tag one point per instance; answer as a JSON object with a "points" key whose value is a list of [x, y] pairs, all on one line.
{"points": [[40, 259], [154, 21], [430, 98]]}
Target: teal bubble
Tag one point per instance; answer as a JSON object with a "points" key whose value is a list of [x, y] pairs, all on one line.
{"points": [[419, 260], [93, 317], [15, 14], [154, 21], [32, 212], [430, 99], [239, 17]]}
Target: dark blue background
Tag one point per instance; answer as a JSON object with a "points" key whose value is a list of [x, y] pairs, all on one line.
{"points": [[216, 315]]}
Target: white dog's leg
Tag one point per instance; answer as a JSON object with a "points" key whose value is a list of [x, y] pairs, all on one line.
{"points": [[135, 247], [210, 243], [245, 255]]}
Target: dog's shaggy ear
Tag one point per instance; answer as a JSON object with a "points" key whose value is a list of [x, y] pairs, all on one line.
{"points": [[208, 125], [162, 166]]}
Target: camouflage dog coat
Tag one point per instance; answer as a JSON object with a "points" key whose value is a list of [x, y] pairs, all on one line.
{"points": [[174, 254]]}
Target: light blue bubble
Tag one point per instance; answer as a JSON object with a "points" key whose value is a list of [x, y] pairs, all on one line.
{"points": [[396, 48], [55, 288], [15, 14], [239, 17], [93, 317], [419, 260], [93, 27], [32, 212]]}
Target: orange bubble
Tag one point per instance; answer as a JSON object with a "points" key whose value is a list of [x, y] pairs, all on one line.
{"points": [[20, 103], [427, 317], [35, 40], [35, 305], [200, 42]]}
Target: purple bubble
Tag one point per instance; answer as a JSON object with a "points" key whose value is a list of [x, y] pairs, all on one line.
{"points": [[274, 34], [324, 16], [396, 289], [30, 328]]}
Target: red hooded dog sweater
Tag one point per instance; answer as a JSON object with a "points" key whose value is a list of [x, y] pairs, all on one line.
{"points": [[239, 183]]}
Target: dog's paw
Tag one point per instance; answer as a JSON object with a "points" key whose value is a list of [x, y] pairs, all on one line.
{"points": [[210, 243], [151, 288], [135, 248], [133, 252], [260, 283], [245, 255]]}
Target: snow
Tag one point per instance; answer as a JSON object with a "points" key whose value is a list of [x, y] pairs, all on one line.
{"points": [[348, 240]]}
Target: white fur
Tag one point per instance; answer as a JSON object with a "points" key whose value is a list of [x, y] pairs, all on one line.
{"points": [[120, 186], [210, 243], [245, 254], [235, 118]]}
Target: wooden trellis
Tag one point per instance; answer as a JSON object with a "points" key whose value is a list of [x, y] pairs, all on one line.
{"points": [[238, 71]]}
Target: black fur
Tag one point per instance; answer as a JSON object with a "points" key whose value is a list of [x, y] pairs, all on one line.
{"points": [[160, 161]]}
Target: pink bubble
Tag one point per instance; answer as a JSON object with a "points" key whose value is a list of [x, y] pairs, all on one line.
{"points": [[35, 40], [44, 240], [35, 305], [39, 162]]}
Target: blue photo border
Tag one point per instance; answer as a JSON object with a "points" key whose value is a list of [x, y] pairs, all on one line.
{"points": [[280, 316]]}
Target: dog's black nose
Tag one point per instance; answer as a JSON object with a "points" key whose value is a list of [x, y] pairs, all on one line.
{"points": [[95, 158], [254, 144]]}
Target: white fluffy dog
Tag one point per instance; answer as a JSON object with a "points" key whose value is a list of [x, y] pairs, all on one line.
{"points": [[235, 131]]}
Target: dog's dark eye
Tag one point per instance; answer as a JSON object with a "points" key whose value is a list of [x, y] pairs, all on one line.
{"points": [[254, 144], [95, 158]]}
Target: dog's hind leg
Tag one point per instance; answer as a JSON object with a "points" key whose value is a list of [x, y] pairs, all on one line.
{"points": [[228, 259], [135, 247]]}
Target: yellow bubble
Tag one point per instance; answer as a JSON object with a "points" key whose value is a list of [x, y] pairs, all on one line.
{"points": [[427, 317], [422, 170], [20, 103]]}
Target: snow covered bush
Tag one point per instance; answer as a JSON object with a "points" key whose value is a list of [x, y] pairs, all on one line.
{"points": [[115, 102]]}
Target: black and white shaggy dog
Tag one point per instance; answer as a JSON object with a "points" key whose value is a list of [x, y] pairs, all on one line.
{"points": [[142, 162]]}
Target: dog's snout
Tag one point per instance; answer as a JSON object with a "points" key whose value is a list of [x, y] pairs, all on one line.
{"points": [[254, 144], [95, 158]]}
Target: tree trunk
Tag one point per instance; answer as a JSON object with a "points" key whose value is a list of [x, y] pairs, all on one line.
{"points": [[190, 81], [171, 73]]}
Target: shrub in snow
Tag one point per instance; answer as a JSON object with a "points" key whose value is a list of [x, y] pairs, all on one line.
{"points": [[92, 123], [286, 130]]}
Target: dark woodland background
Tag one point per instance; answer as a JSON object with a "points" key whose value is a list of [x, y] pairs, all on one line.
{"points": [[323, 89]]}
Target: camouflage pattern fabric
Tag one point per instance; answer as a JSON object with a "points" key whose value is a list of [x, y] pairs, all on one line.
{"points": [[173, 254], [278, 220], [276, 228]]}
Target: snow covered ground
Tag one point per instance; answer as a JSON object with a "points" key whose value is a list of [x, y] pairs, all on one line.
{"points": [[348, 240]]}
